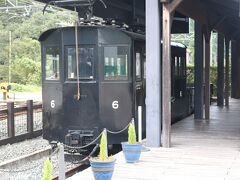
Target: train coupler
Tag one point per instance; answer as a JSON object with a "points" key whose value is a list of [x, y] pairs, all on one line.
{"points": [[77, 138]]}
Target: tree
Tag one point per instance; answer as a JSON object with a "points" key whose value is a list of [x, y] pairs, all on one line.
{"points": [[26, 71], [25, 48]]}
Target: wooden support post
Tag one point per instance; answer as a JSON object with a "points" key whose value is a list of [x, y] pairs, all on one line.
{"points": [[236, 72], [198, 76], [207, 76], [227, 73], [220, 70], [10, 122], [168, 10], [233, 70], [30, 116], [153, 71], [166, 78]]}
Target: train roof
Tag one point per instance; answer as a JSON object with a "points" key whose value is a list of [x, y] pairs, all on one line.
{"points": [[178, 44], [133, 35]]}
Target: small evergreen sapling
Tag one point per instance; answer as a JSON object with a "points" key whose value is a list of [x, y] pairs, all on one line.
{"points": [[48, 168], [131, 134], [103, 148]]}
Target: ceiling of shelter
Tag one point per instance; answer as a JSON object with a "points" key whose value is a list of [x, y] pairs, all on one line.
{"points": [[128, 11], [220, 15]]}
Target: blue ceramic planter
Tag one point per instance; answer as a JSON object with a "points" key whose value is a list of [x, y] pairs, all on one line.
{"points": [[102, 170], [131, 152]]}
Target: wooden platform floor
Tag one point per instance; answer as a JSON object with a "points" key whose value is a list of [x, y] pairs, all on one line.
{"points": [[201, 150]]}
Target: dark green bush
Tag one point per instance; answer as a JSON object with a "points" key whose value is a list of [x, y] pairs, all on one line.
{"points": [[213, 77]]}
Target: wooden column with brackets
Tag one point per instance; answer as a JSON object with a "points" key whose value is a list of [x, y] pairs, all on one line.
{"points": [[168, 11], [207, 78], [220, 70], [207, 37], [198, 72]]}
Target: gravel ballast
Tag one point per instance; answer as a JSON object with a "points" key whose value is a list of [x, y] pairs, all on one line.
{"points": [[34, 169]]}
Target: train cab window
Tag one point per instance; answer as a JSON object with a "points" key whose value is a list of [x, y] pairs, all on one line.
{"points": [[180, 66], [52, 63], [144, 66], [116, 63], [138, 65], [85, 62], [176, 66]]}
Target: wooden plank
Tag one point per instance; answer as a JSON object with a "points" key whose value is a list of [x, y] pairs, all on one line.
{"points": [[173, 5], [200, 151], [30, 116], [10, 121], [166, 78], [227, 72]]}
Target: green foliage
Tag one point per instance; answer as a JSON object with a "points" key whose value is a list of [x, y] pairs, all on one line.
{"points": [[103, 148], [190, 75], [24, 88], [131, 134], [26, 71], [47, 172], [23, 33], [213, 77]]}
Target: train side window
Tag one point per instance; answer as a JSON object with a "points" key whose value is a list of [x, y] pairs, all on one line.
{"points": [[144, 66], [138, 65], [180, 66], [176, 66], [52, 63], [116, 63], [85, 62]]}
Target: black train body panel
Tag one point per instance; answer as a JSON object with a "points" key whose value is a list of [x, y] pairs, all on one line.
{"points": [[112, 83]]}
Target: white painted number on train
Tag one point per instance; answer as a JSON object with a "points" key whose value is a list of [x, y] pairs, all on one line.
{"points": [[115, 105], [52, 103]]}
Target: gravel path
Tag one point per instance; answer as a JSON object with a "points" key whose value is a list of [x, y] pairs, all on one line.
{"points": [[12, 151], [30, 170]]}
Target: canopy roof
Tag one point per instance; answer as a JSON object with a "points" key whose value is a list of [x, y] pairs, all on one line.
{"points": [[219, 15], [128, 11]]}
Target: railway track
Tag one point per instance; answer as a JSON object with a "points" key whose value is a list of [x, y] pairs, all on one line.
{"points": [[17, 105], [73, 171], [33, 163], [24, 158], [3, 105]]}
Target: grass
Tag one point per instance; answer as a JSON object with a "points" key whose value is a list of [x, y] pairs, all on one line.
{"points": [[25, 88]]}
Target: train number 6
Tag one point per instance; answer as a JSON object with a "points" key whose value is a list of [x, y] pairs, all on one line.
{"points": [[115, 105], [52, 104]]}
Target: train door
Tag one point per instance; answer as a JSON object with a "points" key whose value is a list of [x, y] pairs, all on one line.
{"points": [[52, 91], [115, 88], [139, 74]]}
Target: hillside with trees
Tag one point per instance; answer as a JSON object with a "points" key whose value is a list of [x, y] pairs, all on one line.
{"points": [[19, 47]]}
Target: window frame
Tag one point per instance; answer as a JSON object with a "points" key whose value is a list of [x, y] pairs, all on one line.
{"points": [[128, 62], [93, 62], [45, 63]]}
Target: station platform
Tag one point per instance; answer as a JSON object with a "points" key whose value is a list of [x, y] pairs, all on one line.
{"points": [[201, 150]]}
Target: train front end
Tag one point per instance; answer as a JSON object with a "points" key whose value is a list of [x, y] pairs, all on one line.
{"points": [[84, 95]]}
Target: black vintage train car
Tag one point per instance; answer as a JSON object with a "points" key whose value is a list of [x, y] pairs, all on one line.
{"points": [[109, 73], [106, 82]]}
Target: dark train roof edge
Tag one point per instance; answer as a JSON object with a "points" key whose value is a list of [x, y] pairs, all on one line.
{"points": [[134, 35]]}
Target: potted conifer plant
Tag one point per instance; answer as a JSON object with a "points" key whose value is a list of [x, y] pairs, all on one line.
{"points": [[131, 149], [103, 166]]}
